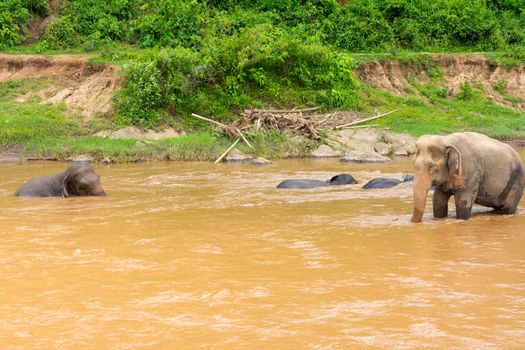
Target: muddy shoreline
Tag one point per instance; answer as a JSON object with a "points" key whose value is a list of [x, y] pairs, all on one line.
{"points": [[10, 157]]}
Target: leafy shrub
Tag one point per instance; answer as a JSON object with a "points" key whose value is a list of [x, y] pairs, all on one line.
{"points": [[13, 15], [501, 86], [154, 82], [169, 23], [267, 53], [517, 53], [265, 56], [109, 16], [142, 95], [432, 91], [38, 7], [230, 71], [60, 33], [422, 24], [468, 91], [360, 26], [512, 27]]}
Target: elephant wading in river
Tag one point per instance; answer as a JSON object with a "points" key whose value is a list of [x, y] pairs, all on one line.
{"points": [[382, 182], [338, 180], [78, 180], [471, 167]]}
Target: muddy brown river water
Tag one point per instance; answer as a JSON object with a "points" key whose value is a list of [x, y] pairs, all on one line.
{"points": [[202, 256]]}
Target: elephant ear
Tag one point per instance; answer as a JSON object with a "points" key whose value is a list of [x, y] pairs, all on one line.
{"points": [[65, 181], [69, 174], [455, 165]]}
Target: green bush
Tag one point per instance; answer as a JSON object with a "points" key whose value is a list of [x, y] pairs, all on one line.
{"points": [[356, 26], [360, 26], [109, 17], [153, 82], [421, 24], [468, 91], [501, 86], [231, 72], [169, 23], [38, 7], [60, 33], [13, 16], [263, 54]]}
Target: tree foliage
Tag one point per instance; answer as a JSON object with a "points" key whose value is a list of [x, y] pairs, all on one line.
{"points": [[229, 71], [356, 26], [13, 15]]}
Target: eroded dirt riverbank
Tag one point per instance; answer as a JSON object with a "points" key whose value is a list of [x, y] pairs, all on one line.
{"points": [[192, 255]]}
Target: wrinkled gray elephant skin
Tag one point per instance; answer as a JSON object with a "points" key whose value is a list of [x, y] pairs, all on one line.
{"points": [[382, 182], [77, 180], [338, 180], [473, 168]]}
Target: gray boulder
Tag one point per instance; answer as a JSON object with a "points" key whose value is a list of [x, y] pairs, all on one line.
{"points": [[401, 152], [382, 148], [81, 158], [260, 161], [325, 151], [401, 142], [236, 156], [364, 157]]}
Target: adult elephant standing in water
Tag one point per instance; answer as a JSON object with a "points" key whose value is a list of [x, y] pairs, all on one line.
{"points": [[471, 167], [78, 180]]}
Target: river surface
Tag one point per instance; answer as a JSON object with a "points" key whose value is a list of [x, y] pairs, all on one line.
{"points": [[202, 256]]}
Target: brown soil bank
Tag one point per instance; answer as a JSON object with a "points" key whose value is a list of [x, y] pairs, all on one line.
{"points": [[80, 84], [395, 76]]}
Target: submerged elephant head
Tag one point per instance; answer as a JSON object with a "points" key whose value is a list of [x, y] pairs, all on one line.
{"points": [[407, 177], [342, 179], [436, 162], [81, 180]]}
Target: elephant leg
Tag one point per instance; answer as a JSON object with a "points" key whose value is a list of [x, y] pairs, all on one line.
{"points": [[440, 203], [510, 205], [464, 201]]}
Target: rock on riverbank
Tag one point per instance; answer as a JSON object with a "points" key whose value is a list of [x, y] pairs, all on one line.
{"points": [[366, 145]]}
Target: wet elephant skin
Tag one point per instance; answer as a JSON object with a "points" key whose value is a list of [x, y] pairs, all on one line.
{"points": [[78, 179], [338, 180], [382, 182]]}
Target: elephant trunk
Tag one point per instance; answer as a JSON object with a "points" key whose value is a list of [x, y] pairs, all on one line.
{"points": [[99, 191], [422, 183]]}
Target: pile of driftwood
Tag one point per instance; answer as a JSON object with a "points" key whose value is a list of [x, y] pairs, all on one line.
{"points": [[306, 122], [299, 121]]}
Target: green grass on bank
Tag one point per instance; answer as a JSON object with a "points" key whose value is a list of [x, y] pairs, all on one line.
{"points": [[513, 57], [21, 122], [200, 146], [431, 111], [36, 129]]}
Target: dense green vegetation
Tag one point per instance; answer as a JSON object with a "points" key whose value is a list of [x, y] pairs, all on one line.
{"points": [[218, 57], [356, 26], [15, 16]]}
